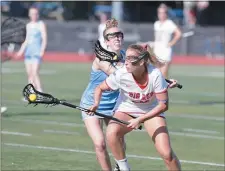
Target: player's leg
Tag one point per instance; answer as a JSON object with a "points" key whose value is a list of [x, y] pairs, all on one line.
{"points": [[36, 76], [165, 57], [115, 134], [29, 71], [94, 129], [117, 168], [165, 69], [157, 129]]}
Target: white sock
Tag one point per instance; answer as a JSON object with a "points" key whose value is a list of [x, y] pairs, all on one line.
{"points": [[123, 164]]}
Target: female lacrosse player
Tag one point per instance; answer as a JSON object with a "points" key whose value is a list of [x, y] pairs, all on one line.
{"points": [[164, 28], [99, 72], [143, 99], [34, 47]]}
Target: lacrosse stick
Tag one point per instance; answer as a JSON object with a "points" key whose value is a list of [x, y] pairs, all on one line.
{"points": [[35, 97]]}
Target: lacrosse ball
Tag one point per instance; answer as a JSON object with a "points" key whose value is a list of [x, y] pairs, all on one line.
{"points": [[32, 97]]}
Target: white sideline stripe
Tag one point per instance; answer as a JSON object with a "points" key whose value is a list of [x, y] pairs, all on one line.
{"points": [[206, 74], [196, 135], [91, 152], [200, 131], [181, 115], [82, 125], [196, 116], [16, 133], [60, 132], [11, 71], [191, 135]]}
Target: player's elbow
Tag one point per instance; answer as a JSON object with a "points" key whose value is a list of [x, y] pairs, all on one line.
{"points": [[178, 34], [165, 107], [98, 89]]}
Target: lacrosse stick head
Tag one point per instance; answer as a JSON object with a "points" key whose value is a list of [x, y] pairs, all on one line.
{"points": [[35, 97], [103, 54]]}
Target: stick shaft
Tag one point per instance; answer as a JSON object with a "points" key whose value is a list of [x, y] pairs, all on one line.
{"points": [[178, 85], [86, 110]]}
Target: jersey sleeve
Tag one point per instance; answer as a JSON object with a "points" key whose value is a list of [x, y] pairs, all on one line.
{"points": [[160, 84], [172, 26], [113, 80]]}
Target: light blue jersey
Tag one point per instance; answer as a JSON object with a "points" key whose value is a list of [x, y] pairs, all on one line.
{"points": [[108, 99], [34, 41]]}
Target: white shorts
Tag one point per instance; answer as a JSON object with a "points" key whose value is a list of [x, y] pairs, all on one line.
{"points": [[164, 54], [136, 115]]}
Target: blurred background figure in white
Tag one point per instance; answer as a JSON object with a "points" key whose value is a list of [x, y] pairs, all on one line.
{"points": [[101, 28], [164, 28]]}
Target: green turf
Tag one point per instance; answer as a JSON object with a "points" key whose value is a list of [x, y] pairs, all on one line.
{"points": [[202, 96]]}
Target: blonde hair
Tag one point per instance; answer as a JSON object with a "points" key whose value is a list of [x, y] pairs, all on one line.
{"points": [[150, 58], [163, 6], [110, 24]]}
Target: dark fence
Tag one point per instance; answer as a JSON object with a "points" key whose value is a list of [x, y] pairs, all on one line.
{"points": [[77, 36]]}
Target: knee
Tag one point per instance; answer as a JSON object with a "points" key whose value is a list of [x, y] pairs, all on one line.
{"points": [[112, 135], [35, 74], [30, 75], [167, 155], [100, 146]]}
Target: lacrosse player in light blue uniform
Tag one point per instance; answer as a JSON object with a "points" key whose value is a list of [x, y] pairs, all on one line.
{"points": [[34, 47], [99, 72]]}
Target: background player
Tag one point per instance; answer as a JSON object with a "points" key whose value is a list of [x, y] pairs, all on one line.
{"points": [[34, 47], [164, 28], [100, 70]]}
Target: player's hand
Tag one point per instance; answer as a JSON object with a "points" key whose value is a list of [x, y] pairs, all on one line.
{"points": [[93, 109], [18, 55], [134, 123], [42, 53], [173, 84], [169, 44]]}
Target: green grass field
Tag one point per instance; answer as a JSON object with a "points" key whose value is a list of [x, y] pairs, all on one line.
{"points": [[54, 138]]}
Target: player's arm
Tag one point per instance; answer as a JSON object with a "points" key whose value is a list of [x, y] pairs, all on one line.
{"points": [[160, 108], [177, 35], [98, 92], [161, 94], [105, 66], [23, 46], [44, 38], [111, 83]]}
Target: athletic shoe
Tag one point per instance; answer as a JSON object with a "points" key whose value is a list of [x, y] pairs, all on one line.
{"points": [[24, 99], [117, 168], [3, 109]]}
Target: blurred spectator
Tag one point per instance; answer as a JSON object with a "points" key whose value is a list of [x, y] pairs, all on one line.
{"points": [[189, 14], [101, 28], [202, 12], [175, 14], [18, 9], [5, 6], [50, 9]]}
